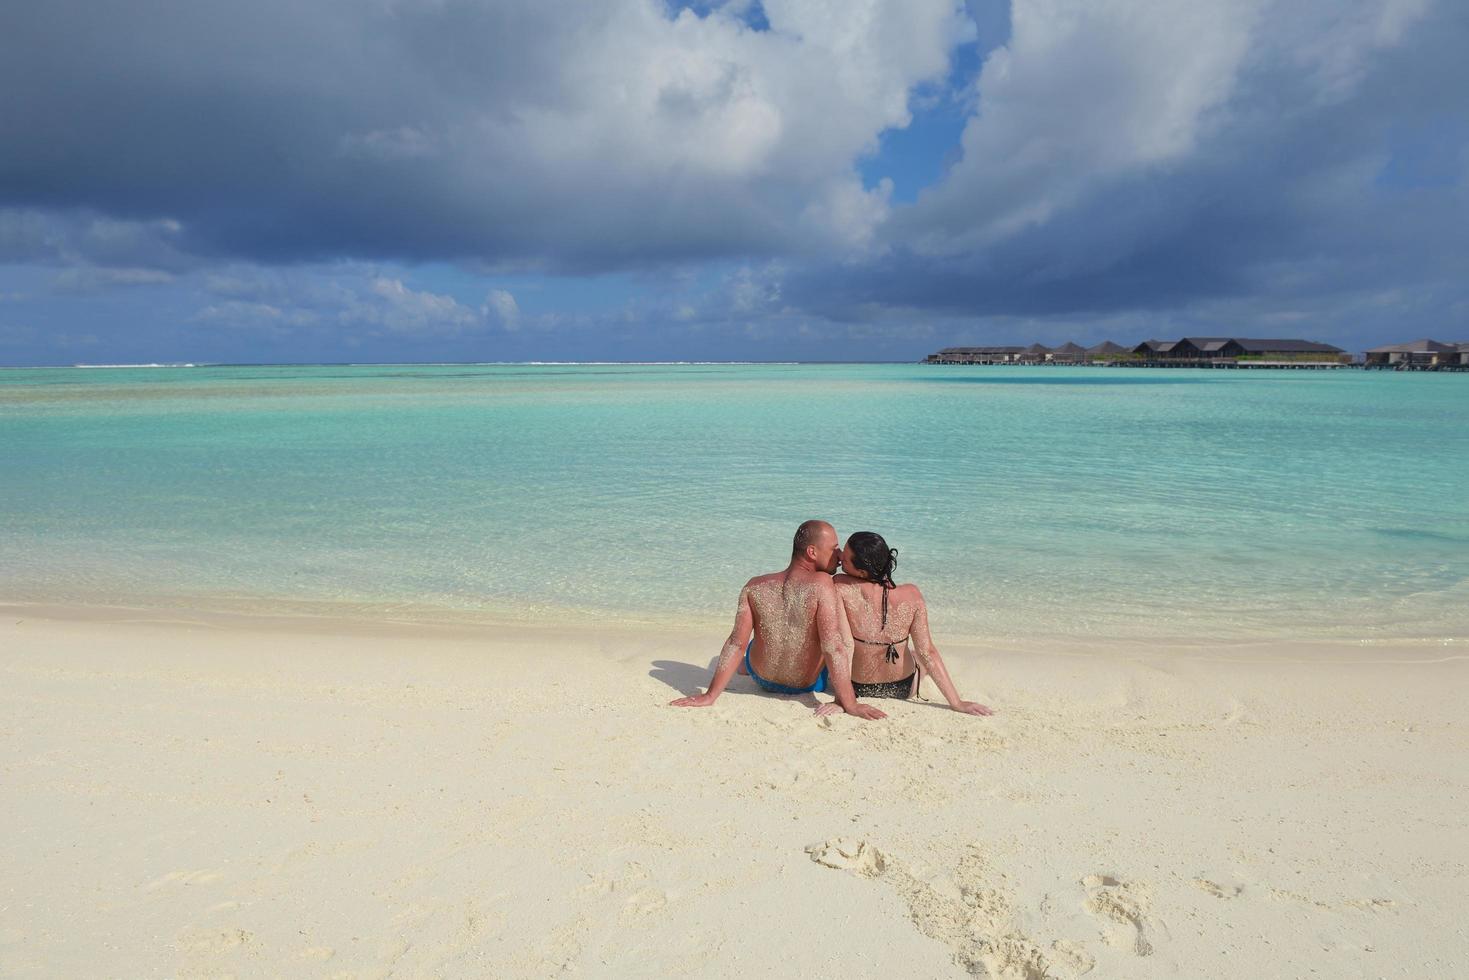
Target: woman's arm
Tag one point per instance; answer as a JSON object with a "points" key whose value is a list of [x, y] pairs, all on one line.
{"points": [[836, 648], [928, 656], [844, 630]]}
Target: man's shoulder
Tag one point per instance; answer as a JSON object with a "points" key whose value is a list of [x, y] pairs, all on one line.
{"points": [[766, 579]]}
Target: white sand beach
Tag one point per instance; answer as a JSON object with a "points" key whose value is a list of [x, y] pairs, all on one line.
{"points": [[191, 796]]}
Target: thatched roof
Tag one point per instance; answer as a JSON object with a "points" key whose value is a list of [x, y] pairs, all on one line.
{"points": [[1107, 347], [1209, 345], [1070, 348], [1286, 346]]}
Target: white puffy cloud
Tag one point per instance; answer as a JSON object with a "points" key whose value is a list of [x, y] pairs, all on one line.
{"points": [[1088, 93], [357, 300], [399, 309], [500, 307], [1082, 92]]}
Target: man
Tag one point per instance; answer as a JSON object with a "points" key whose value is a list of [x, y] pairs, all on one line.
{"points": [[801, 641]]}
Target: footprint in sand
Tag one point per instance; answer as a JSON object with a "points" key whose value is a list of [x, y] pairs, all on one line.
{"points": [[208, 942], [1216, 889], [1126, 903], [965, 912], [643, 903], [843, 854]]}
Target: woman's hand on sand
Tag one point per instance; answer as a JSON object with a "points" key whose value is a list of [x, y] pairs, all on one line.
{"points": [[694, 701], [866, 711], [973, 708]]}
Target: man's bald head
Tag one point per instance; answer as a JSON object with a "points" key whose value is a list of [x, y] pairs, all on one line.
{"points": [[817, 541], [808, 535]]}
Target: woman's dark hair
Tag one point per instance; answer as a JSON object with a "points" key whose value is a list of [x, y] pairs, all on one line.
{"points": [[871, 555]]}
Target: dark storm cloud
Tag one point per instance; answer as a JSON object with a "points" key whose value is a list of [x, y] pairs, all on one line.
{"points": [[581, 136]]}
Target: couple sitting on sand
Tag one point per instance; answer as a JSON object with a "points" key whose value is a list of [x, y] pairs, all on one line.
{"points": [[815, 630]]}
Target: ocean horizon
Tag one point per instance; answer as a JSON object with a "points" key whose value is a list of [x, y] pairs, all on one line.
{"points": [[1064, 504]]}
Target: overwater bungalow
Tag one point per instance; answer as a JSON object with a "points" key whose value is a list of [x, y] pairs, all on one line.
{"points": [[1415, 355], [1291, 351], [1106, 352], [1034, 354], [975, 355], [1241, 352], [1067, 353], [1153, 349], [1204, 348]]}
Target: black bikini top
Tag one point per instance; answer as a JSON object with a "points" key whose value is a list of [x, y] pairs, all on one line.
{"points": [[892, 654]]}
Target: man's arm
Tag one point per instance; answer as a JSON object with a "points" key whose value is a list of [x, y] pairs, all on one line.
{"points": [[836, 648], [928, 656], [729, 655]]}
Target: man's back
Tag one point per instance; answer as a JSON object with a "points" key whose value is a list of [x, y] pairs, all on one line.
{"points": [[787, 608]]}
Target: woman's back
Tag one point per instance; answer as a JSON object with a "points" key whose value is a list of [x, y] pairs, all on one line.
{"points": [[881, 652]]}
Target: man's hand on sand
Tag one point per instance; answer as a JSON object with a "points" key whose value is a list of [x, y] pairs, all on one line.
{"points": [[694, 701], [973, 708], [827, 708]]}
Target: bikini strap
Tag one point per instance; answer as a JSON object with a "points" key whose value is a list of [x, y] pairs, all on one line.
{"points": [[892, 655]]}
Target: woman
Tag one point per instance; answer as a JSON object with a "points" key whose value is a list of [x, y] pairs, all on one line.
{"points": [[884, 618]]}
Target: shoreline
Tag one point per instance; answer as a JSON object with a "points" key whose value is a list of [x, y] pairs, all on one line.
{"points": [[537, 622]]}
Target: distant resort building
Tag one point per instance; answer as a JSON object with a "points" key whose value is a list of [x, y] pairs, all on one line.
{"points": [[1154, 348], [975, 355], [1419, 355], [1068, 353], [1219, 352], [1212, 349], [1215, 352]]}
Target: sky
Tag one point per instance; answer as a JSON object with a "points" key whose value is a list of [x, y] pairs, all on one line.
{"points": [[507, 180]]}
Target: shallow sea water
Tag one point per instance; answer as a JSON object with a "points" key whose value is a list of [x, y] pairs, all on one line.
{"points": [[1071, 503]]}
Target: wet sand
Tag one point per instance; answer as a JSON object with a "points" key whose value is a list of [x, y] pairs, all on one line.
{"points": [[206, 796]]}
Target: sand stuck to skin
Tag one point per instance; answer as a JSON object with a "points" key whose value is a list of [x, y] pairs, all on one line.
{"points": [[190, 797]]}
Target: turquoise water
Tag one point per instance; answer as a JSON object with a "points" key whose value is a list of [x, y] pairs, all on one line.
{"points": [[1040, 502]]}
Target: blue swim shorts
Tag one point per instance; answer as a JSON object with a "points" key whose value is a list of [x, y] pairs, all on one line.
{"points": [[817, 686]]}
